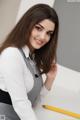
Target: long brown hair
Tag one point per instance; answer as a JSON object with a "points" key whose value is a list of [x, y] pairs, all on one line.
{"points": [[20, 35]]}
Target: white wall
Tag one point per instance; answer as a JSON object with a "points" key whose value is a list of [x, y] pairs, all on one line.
{"points": [[8, 13]]}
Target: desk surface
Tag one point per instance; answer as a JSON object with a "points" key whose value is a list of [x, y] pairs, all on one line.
{"points": [[61, 96]]}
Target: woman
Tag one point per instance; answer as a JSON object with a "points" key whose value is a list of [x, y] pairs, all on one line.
{"points": [[28, 52]]}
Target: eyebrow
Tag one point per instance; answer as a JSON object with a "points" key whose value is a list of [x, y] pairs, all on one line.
{"points": [[43, 28]]}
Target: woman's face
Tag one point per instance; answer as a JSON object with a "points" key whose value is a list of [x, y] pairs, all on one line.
{"points": [[41, 33]]}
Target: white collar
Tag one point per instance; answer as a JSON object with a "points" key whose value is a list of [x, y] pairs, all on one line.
{"points": [[26, 50]]}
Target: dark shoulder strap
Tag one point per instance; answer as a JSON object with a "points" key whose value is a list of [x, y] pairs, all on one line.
{"points": [[23, 54], [29, 63]]}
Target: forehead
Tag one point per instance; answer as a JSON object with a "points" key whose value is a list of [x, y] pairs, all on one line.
{"points": [[47, 24]]}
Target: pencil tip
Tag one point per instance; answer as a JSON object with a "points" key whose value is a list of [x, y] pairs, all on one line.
{"points": [[43, 105]]}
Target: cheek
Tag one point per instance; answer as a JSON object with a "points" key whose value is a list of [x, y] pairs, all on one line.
{"points": [[47, 39], [34, 33], [32, 36]]}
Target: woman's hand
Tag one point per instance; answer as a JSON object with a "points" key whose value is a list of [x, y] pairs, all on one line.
{"points": [[51, 76], [52, 73]]}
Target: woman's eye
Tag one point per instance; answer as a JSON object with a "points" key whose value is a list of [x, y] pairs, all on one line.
{"points": [[38, 28], [49, 33]]}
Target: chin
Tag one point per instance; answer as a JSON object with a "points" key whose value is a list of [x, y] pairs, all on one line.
{"points": [[37, 47]]}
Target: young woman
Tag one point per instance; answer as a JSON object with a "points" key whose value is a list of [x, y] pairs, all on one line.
{"points": [[28, 52]]}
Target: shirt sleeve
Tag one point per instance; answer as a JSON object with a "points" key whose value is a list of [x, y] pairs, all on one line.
{"points": [[12, 70]]}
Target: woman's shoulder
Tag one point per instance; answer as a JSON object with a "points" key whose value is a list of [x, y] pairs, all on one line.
{"points": [[11, 55], [9, 51]]}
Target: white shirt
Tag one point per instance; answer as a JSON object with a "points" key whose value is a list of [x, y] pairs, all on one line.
{"points": [[16, 78]]}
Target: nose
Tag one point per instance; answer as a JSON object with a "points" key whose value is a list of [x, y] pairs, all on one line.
{"points": [[43, 35]]}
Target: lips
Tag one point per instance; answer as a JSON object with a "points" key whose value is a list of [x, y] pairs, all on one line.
{"points": [[39, 42]]}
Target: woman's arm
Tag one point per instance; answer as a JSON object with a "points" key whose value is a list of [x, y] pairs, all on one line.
{"points": [[12, 70], [50, 77], [48, 82]]}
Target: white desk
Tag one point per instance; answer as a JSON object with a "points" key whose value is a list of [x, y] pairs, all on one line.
{"points": [[65, 94]]}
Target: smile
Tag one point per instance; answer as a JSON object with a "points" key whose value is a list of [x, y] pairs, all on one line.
{"points": [[39, 42]]}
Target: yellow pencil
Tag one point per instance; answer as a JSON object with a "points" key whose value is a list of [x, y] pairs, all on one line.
{"points": [[60, 110]]}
